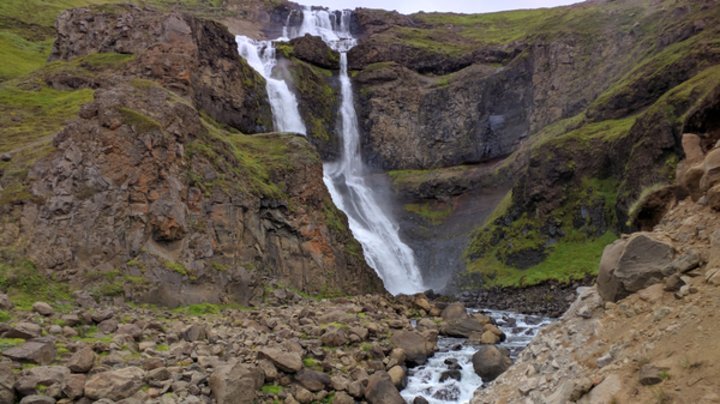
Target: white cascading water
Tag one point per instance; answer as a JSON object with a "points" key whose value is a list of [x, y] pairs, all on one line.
{"points": [[260, 55], [346, 179], [370, 223]]}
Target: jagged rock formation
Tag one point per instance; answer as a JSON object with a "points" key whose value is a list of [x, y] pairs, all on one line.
{"points": [[154, 193]]}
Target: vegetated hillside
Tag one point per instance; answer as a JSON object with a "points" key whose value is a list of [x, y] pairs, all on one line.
{"points": [[573, 111], [127, 167]]}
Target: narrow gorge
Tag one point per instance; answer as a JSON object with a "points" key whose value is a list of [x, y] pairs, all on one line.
{"points": [[225, 201]]}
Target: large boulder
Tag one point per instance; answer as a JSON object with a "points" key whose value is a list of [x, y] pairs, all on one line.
{"points": [[631, 264], [454, 311], [114, 385], [490, 362], [381, 390], [462, 327], [31, 379], [312, 380], [82, 360], [416, 347], [35, 351], [711, 170], [236, 383], [290, 362], [7, 382]]}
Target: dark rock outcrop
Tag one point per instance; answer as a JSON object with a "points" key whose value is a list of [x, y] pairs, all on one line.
{"points": [[194, 57]]}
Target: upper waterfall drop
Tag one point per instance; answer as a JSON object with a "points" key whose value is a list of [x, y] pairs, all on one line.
{"points": [[346, 179], [260, 55]]}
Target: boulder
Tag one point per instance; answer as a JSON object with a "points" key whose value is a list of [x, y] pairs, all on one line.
{"points": [[692, 147], [5, 303], [398, 375], [115, 384], [194, 332], [462, 327], [650, 375], [381, 390], [312, 380], [454, 311], [24, 330], [711, 170], [35, 351], [713, 197], [82, 361], [416, 347], [74, 386], [47, 376], [490, 361], [631, 264], [43, 309], [290, 362], [235, 383], [7, 382]]}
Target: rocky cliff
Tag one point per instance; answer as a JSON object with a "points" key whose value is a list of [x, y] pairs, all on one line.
{"points": [[572, 111], [153, 189]]}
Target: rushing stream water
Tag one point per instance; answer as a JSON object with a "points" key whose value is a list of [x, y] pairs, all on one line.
{"points": [[424, 381], [370, 221]]}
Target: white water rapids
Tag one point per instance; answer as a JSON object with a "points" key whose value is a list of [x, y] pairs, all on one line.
{"points": [[370, 221]]}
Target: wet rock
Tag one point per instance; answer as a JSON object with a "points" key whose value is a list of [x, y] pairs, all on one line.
{"points": [[415, 346], [490, 362], [462, 327], [81, 361], [34, 351], [115, 384], [632, 264], [235, 383], [313, 49], [420, 400], [381, 390], [290, 362], [450, 374]]}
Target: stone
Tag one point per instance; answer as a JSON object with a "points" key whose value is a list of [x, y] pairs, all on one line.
{"points": [[604, 360], [5, 303], [334, 337], [421, 301], [398, 376], [342, 397], [158, 375], [462, 327], [605, 392], [312, 380], [74, 386], [290, 362], [42, 375], [420, 400], [711, 170], [416, 347], [235, 383], [673, 283], [37, 399], [490, 362], [34, 351], [115, 384], [303, 395], [454, 311], [7, 382], [194, 332], [629, 265], [108, 326], [713, 197], [131, 330], [650, 375], [81, 361], [101, 315], [692, 147], [381, 390], [43, 309], [268, 369], [24, 330], [314, 50], [712, 276], [450, 374]]}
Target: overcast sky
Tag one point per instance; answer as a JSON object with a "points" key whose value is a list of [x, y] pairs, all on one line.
{"points": [[458, 6]]}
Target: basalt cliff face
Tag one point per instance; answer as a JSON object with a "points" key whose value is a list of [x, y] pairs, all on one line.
{"points": [[154, 189], [570, 113]]}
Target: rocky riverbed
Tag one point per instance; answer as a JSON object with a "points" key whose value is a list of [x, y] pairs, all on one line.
{"points": [[292, 348]]}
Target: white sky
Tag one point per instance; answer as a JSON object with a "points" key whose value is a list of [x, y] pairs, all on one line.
{"points": [[458, 6]]}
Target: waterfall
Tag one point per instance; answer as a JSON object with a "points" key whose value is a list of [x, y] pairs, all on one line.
{"points": [[260, 55], [346, 179]]}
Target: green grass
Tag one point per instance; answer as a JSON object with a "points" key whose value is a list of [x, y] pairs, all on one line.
{"points": [[25, 284], [6, 343], [434, 213], [311, 363], [4, 316], [568, 260], [176, 267], [199, 309], [272, 389]]}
